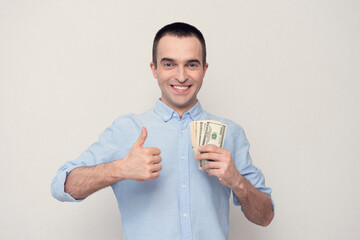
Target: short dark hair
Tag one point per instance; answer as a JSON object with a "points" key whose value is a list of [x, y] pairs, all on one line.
{"points": [[178, 29]]}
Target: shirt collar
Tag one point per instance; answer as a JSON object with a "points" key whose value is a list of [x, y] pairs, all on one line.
{"points": [[166, 113]]}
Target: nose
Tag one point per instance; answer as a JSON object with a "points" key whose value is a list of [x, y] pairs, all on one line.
{"points": [[181, 75]]}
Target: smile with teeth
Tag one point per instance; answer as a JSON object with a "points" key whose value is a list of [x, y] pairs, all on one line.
{"points": [[182, 87]]}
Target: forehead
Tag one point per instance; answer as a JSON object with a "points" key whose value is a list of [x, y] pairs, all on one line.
{"points": [[179, 48]]}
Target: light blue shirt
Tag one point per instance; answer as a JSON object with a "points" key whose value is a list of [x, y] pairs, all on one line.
{"points": [[184, 202]]}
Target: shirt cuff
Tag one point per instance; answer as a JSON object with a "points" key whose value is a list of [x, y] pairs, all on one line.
{"points": [[58, 186]]}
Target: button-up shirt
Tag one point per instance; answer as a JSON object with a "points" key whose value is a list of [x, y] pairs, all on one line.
{"points": [[184, 202]]}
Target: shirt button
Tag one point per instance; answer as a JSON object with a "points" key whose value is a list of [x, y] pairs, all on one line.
{"points": [[182, 157], [182, 131], [185, 215], [183, 186]]}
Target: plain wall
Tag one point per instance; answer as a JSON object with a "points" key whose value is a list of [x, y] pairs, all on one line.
{"points": [[287, 71]]}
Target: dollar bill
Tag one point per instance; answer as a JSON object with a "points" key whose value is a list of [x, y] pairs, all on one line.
{"points": [[207, 132]]}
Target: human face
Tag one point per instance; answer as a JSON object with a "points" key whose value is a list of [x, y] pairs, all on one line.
{"points": [[179, 71]]}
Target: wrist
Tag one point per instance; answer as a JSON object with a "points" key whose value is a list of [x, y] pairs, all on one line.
{"points": [[115, 171], [241, 185]]}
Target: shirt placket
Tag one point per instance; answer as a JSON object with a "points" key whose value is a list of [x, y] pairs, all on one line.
{"points": [[184, 180]]}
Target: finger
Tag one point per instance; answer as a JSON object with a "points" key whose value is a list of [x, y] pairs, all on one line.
{"points": [[210, 148], [155, 175], [156, 167], [156, 159], [214, 172], [154, 151], [212, 165], [141, 140], [209, 156], [151, 176]]}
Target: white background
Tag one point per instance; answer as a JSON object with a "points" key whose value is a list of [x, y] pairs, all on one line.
{"points": [[287, 71]]}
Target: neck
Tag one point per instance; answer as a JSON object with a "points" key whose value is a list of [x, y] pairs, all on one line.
{"points": [[180, 110]]}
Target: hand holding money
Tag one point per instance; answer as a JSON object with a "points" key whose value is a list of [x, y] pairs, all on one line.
{"points": [[208, 139], [206, 132], [221, 165]]}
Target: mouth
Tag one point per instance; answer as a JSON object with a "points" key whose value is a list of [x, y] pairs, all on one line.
{"points": [[181, 88]]}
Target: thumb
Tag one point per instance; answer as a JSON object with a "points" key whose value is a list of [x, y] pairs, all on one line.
{"points": [[141, 140]]}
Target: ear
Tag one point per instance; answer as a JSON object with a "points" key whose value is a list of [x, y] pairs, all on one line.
{"points": [[153, 69], [205, 68]]}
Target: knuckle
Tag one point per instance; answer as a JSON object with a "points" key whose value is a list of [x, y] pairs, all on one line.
{"points": [[158, 150], [148, 176], [154, 151]]}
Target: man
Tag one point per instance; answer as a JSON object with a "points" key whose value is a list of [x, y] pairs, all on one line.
{"points": [[160, 191]]}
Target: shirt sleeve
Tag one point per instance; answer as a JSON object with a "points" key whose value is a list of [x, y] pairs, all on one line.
{"points": [[244, 165], [106, 149]]}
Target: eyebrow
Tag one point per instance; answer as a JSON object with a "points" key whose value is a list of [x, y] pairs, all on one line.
{"points": [[193, 61], [167, 60], [173, 60]]}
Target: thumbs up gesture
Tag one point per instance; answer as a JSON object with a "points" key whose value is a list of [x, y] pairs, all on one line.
{"points": [[142, 164]]}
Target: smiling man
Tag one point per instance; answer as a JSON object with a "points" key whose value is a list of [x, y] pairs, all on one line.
{"points": [[160, 191], [180, 71]]}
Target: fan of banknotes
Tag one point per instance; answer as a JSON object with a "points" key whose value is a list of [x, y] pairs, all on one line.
{"points": [[206, 132]]}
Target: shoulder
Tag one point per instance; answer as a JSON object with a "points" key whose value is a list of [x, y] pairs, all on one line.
{"points": [[132, 118], [125, 120]]}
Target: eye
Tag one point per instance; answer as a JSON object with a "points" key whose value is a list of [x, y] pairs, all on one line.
{"points": [[193, 65], [167, 65]]}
